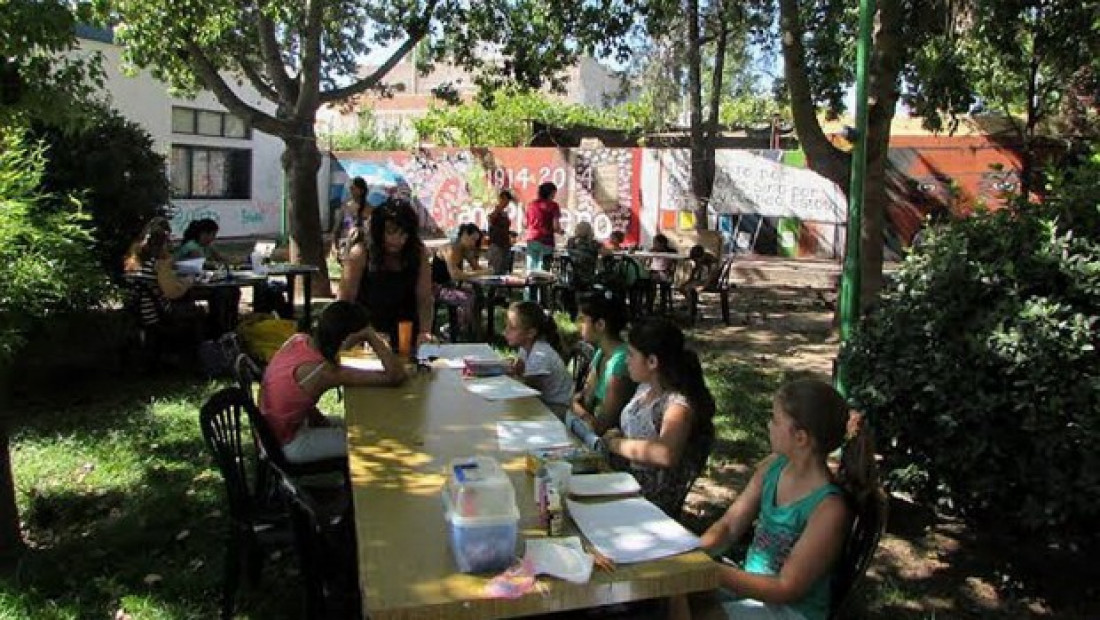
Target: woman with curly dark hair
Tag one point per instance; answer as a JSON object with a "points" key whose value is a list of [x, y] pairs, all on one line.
{"points": [[390, 272]]}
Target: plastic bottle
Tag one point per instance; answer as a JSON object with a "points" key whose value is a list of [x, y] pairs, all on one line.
{"points": [[542, 484], [555, 513]]}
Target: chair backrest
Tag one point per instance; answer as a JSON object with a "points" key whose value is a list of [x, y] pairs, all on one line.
{"points": [[859, 548], [725, 274], [581, 360], [220, 419], [696, 466], [247, 373]]}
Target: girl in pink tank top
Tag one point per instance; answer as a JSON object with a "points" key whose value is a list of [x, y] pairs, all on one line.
{"points": [[308, 366]]}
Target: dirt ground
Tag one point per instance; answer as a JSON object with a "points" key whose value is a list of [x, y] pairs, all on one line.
{"points": [[928, 565]]}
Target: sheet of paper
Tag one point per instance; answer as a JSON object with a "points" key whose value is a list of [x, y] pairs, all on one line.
{"points": [[521, 436], [362, 363], [452, 354], [499, 388], [631, 530], [614, 483], [563, 558]]}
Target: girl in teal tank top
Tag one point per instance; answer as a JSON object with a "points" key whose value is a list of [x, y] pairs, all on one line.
{"points": [[608, 387], [800, 507]]}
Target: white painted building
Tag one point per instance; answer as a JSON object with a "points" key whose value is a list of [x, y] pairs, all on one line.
{"points": [[219, 166], [586, 83]]}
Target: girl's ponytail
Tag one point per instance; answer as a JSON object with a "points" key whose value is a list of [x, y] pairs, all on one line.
{"points": [[858, 471]]}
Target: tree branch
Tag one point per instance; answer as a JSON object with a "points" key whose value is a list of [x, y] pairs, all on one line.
{"points": [[273, 60], [309, 79], [798, 82], [716, 78], [208, 74], [416, 33], [256, 79]]}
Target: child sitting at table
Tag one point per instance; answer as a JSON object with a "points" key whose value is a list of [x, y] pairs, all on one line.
{"points": [[802, 511], [308, 366], [608, 387], [666, 429], [539, 362], [584, 252]]}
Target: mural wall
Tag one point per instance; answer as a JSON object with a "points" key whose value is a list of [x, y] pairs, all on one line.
{"points": [[453, 186], [765, 201]]}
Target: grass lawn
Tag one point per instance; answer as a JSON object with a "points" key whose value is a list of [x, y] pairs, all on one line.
{"points": [[123, 509]]}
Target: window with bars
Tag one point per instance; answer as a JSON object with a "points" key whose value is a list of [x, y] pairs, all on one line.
{"points": [[206, 172]]}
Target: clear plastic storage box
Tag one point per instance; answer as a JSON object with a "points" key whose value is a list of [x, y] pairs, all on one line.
{"points": [[480, 506]]}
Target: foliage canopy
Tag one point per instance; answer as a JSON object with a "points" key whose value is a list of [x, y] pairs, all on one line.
{"points": [[48, 257], [981, 366]]}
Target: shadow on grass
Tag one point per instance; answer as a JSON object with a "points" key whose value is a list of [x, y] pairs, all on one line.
{"points": [[151, 543]]}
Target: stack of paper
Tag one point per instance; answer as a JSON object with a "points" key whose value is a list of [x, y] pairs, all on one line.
{"points": [[499, 388], [631, 530], [595, 485], [526, 435]]}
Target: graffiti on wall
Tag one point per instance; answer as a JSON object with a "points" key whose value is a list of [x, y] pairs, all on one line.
{"points": [[453, 186], [235, 219]]}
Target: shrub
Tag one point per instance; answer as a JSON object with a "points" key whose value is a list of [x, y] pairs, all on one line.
{"points": [[112, 165], [47, 255], [980, 366]]}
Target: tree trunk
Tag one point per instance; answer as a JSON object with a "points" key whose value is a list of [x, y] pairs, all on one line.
{"points": [[11, 539], [882, 89], [700, 184], [301, 161]]}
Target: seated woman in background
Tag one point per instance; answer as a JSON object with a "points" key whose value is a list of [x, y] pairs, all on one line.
{"points": [[390, 273], [198, 242], [666, 429], [459, 263], [539, 362], [306, 367], [160, 293], [608, 387], [705, 270], [584, 251]]}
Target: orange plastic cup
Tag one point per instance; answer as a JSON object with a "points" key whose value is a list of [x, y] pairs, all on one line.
{"points": [[404, 338]]}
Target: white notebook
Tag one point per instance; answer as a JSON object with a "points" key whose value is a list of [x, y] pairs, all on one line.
{"points": [[631, 530]]}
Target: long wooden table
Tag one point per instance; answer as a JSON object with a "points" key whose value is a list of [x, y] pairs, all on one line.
{"points": [[400, 442]]}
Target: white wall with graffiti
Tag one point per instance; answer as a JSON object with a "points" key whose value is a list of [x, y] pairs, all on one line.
{"points": [[233, 174]]}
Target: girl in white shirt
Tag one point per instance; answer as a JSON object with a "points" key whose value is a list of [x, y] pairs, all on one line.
{"points": [[539, 362]]}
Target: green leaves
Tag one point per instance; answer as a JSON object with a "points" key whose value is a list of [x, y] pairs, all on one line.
{"points": [[980, 366], [40, 79], [47, 255], [504, 120]]}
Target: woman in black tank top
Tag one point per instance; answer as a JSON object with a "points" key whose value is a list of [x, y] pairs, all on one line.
{"points": [[389, 272]]}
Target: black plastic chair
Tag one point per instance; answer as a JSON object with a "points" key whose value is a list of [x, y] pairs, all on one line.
{"points": [[721, 285], [580, 359], [255, 525], [270, 450], [859, 548]]}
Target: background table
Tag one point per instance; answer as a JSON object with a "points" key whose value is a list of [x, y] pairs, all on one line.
{"points": [[400, 442], [291, 273]]}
